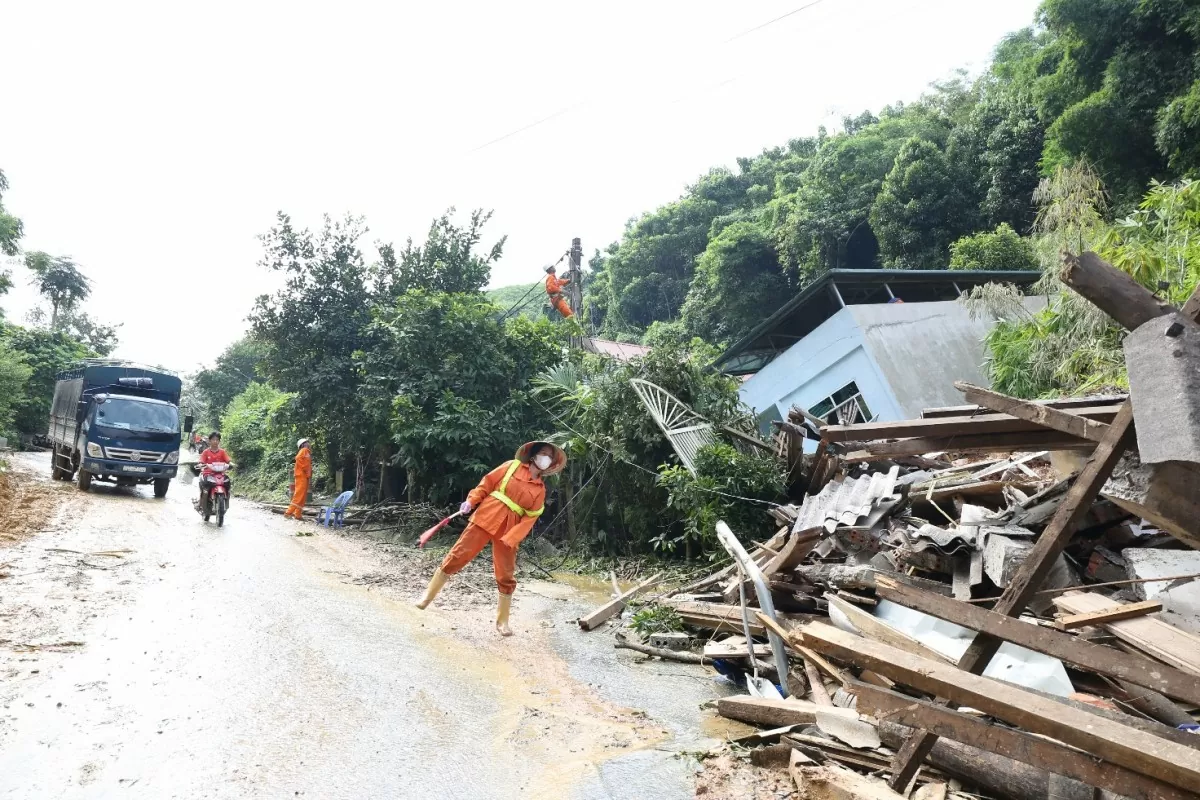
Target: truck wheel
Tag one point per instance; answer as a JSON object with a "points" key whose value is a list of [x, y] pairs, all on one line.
{"points": [[160, 487], [84, 479], [221, 504]]}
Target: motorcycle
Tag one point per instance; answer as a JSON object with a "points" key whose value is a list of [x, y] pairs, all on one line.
{"points": [[214, 491]]}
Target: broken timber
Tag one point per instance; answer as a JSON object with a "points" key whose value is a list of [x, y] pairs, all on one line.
{"points": [[1106, 615], [1024, 747], [986, 423], [1160, 639], [616, 605], [1135, 669], [1137, 750], [1073, 424]]}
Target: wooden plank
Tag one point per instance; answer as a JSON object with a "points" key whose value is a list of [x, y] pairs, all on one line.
{"points": [[984, 443], [1135, 669], [1142, 752], [734, 650], [1018, 745], [1160, 639], [793, 552], [1128, 611], [766, 711], [1063, 404], [835, 782], [1074, 507], [1112, 291], [955, 426], [1068, 422], [616, 605], [722, 617]]}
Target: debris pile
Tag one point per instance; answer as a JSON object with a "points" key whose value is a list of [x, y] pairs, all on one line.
{"points": [[997, 599]]}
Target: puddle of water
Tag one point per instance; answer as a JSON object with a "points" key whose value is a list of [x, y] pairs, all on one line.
{"points": [[588, 588]]}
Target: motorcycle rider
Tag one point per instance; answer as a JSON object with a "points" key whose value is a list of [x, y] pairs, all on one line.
{"points": [[211, 454]]}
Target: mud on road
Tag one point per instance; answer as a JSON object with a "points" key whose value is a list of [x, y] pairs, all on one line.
{"points": [[144, 653]]}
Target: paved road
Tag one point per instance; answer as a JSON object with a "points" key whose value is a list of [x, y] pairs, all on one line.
{"points": [[248, 662]]}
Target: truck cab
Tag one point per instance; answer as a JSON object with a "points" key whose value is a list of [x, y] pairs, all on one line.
{"points": [[117, 422]]}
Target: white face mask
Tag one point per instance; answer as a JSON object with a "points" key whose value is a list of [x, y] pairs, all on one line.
{"points": [[542, 460]]}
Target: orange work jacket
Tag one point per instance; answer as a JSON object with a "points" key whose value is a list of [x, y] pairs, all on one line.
{"points": [[555, 284], [303, 469], [497, 518]]}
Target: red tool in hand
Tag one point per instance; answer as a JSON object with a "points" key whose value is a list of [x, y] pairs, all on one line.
{"points": [[429, 534]]}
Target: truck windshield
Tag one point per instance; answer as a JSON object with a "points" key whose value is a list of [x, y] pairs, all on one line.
{"points": [[135, 415]]}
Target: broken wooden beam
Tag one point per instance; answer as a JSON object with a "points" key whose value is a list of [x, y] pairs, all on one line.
{"points": [[1114, 292], [1072, 622], [979, 425], [767, 712], [1137, 750], [968, 443], [1101, 659], [1068, 422], [616, 605], [1026, 748], [1063, 405], [1158, 638]]}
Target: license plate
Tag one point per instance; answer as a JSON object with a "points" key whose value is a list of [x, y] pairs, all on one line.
{"points": [[133, 469]]}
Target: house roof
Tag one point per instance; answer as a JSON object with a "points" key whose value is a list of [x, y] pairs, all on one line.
{"points": [[836, 288], [621, 351]]}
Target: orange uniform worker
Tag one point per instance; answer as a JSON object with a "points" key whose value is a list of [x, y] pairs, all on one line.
{"points": [[554, 287], [303, 475], [507, 503]]}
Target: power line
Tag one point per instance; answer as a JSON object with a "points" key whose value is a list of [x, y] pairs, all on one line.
{"points": [[626, 461], [771, 21], [562, 111]]}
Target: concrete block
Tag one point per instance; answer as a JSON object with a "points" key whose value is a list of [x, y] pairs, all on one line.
{"points": [[670, 641]]}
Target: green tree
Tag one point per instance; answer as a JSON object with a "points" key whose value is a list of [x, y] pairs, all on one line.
{"points": [[256, 432], [46, 353], [446, 262], [449, 383], [1002, 249], [11, 228], [738, 283], [229, 376], [922, 207], [14, 375], [59, 280], [96, 336]]}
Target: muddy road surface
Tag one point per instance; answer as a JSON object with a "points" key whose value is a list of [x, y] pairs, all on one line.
{"points": [[145, 654]]}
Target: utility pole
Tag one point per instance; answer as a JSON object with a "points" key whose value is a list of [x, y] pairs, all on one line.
{"points": [[575, 289]]}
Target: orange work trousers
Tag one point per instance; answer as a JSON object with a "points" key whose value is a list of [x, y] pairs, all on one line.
{"points": [[296, 509], [560, 303], [471, 544]]}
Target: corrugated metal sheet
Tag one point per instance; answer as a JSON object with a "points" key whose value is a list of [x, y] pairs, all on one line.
{"points": [[845, 503], [621, 351]]}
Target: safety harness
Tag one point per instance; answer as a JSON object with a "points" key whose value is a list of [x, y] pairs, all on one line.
{"points": [[508, 501]]}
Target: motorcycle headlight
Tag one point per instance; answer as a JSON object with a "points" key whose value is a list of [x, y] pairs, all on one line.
{"points": [[94, 450], [173, 457]]}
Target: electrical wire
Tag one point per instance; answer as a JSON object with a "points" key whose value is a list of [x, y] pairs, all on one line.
{"points": [[626, 461], [771, 21], [521, 303]]}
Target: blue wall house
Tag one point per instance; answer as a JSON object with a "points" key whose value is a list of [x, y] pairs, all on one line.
{"points": [[858, 345]]}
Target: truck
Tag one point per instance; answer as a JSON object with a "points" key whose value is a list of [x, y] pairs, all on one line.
{"points": [[116, 421]]}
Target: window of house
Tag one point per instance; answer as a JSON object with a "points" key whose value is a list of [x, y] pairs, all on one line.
{"points": [[846, 406]]}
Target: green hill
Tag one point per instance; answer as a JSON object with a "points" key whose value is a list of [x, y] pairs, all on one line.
{"points": [[508, 296]]}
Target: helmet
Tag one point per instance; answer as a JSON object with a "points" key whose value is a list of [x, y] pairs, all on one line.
{"points": [[549, 269], [301, 443]]}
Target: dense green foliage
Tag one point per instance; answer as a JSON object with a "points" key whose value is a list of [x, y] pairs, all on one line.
{"points": [[215, 388], [14, 374], [450, 383], [45, 353], [1115, 83], [255, 431], [1069, 347], [1000, 249], [531, 299]]}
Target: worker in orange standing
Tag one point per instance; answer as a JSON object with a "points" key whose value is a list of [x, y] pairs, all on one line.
{"points": [[554, 288], [507, 503], [302, 476]]}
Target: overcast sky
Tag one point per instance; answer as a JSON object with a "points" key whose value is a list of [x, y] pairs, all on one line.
{"points": [[154, 141]]}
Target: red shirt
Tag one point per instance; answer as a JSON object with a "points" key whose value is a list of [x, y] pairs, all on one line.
{"points": [[210, 456]]}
